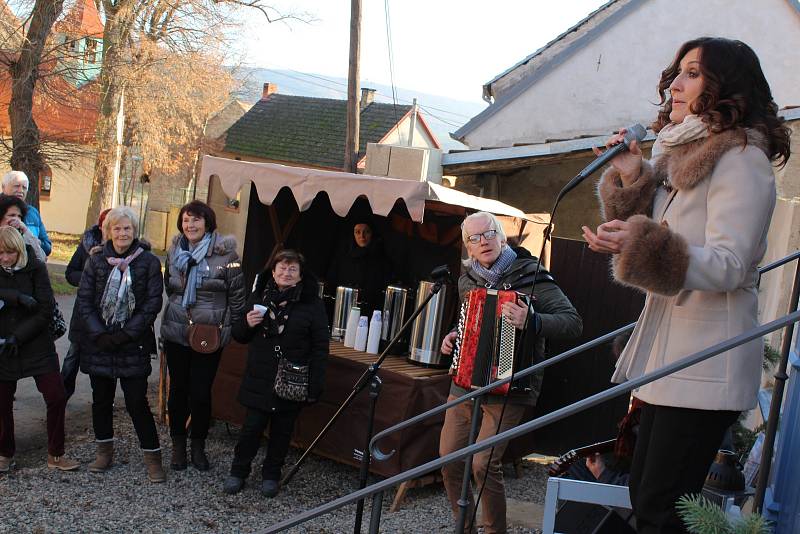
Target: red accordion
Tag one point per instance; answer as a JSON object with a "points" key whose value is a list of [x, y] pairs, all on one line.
{"points": [[485, 343]]}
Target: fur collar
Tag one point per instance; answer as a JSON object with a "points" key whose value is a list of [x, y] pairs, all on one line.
{"points": [[223, 244], [687, 165]]}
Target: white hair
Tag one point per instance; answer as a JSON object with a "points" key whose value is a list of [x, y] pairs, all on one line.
{"points": [[494, 224], [14, 176], [117, 214]]}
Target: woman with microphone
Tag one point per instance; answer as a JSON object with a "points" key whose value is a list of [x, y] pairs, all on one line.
{"points": [[689, 228]]}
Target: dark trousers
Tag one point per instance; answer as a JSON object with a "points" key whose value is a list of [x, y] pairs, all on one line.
{"points": [[135, 392], [281, 425], [674, 450], [52, 389], [190, 378], [69, 368]]}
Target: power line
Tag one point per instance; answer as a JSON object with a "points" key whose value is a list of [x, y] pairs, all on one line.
{"points": [[426, 109], [391, 59]]}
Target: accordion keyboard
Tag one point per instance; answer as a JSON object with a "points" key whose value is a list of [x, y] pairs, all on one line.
{"points": [[505, 352]]}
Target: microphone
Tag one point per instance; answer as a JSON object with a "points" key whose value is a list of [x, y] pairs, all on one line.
{"points": [[635, 132], [441, 272]]}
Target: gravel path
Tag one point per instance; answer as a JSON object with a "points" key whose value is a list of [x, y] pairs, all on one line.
{"points": [[37, 500]]}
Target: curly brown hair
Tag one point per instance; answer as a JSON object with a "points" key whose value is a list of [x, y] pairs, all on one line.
{"points": [[735, 93]]}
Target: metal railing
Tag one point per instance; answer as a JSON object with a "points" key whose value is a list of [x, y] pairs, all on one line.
{"points": [[376, 490]]}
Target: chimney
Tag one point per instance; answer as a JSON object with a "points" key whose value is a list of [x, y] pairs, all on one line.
{"points": [[367, 97], [269, 88]]}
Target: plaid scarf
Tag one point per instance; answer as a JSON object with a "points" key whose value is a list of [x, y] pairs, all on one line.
{"points": [[493, 274], [118, 301]]}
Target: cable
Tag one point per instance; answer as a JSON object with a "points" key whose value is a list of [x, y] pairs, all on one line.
{"points": [[391, 63]]}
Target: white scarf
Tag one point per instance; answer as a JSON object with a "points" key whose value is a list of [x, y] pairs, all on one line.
{"points": [[674, 134]]}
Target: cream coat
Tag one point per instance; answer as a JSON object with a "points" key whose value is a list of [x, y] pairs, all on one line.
{"points": [[695, 251]]}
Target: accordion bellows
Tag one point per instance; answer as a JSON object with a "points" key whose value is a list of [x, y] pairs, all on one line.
{"points": [[485, 344]]}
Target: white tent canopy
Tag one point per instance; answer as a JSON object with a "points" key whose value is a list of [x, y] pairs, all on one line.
{"points": [[343, 188]]}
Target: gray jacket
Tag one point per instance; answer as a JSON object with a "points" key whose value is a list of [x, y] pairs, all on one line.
{"points": [[220, 300]]}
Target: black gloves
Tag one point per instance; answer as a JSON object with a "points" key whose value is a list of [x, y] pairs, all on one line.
{"points": [[109, 342], [27, 303], [8, 347], [104, 342], [120, 338]]}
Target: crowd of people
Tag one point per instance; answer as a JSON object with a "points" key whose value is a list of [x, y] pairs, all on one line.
{"points": [[688, 228]]}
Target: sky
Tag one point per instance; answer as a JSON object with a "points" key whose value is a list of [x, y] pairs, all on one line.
{"points": [[442, 47]]}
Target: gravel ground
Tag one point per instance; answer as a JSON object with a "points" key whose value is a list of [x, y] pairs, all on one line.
{"points": [[35, 499]]}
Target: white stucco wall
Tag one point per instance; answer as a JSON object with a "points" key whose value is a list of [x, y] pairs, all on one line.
{"points": [[65, 209], [612, 81]]}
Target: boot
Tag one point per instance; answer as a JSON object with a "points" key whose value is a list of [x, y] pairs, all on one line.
{"points": [[199, 458], [104, 457], [178, 462], [62, 463], [155, 471]]}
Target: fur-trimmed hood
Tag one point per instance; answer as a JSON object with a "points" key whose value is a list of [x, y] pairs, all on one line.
{"points": [[223, 244]]}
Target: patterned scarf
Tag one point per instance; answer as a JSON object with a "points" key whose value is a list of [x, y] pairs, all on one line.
{"points": [[194, 261], [493, 274], [672, 135], [278, 304], [118, 301]]}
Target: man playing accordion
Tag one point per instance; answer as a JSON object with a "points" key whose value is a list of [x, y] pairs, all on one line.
{"points": [[494, 265]]}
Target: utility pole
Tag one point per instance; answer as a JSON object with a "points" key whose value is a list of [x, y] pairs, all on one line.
{"points": [[351, 140]]}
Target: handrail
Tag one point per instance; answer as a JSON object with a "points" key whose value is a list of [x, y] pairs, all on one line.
{"points": [[379, 455], [539, 422]]}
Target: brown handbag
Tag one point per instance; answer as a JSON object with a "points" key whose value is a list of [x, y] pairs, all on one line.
{"points": [[203, 338]]}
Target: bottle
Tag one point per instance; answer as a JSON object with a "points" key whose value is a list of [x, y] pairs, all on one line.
{"points": [[374, 337]]}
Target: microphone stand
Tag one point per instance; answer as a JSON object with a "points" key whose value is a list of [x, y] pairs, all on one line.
{"points": [[365, 380]]}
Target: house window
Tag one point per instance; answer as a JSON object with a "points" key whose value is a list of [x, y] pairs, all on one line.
{"points": [[90, 53], [45, 182]]}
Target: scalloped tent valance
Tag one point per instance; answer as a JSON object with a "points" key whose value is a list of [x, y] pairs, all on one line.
{"points": [[343, 188]]}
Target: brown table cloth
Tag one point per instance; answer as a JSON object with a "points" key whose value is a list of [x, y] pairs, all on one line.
{"points": [[406, 390]]}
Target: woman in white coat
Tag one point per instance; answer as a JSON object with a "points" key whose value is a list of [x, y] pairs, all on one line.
{"points": [[689, 228]]}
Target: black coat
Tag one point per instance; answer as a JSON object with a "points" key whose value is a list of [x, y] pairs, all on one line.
{"points": [[91, 238], [304, 341], [131, 359], [367, 269], [36, 351]]}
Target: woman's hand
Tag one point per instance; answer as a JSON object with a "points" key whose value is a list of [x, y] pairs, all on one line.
{"points": [[254, 318], [515, 313], [610, 238], [448, 343], [629, 163]]}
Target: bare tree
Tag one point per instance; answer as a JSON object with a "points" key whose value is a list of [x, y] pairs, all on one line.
{"points": [[26, 153], [177, 26]]}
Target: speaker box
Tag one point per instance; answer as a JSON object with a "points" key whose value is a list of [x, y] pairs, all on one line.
{"points": [[585, 518]]}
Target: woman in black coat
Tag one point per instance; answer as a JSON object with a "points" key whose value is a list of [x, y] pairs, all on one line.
{"points": [[27, 309], [119, 299], [286, 319]]}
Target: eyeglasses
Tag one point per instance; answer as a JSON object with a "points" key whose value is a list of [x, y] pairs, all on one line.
{"points": [[292, 269], [488, 235]]}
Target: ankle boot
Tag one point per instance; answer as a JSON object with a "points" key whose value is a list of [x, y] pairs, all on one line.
{"points": [[104, 457], [155, 471], [178, 462], [199, 458]]}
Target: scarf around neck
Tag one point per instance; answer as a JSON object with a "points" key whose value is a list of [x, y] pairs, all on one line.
{"points": [[194, 261], [118, 301], [493, 274], [278, 304], [672, 135]]}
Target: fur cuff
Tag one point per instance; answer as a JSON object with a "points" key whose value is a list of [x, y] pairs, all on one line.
{"points": [[654, 258], [618, 202]]}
